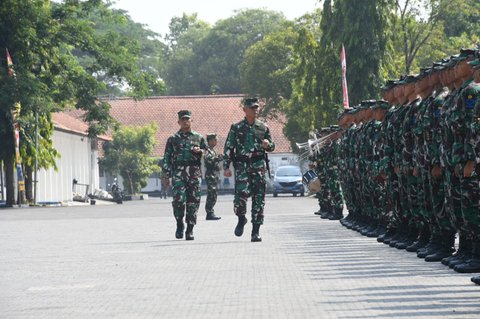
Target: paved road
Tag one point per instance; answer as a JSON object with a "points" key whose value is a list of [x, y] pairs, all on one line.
{"points": [[122, 261]]}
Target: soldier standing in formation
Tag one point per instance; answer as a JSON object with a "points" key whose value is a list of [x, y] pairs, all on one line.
{"points": [[182, 164], [212, 170], [425, 164], [324, 162], [246, 146]]}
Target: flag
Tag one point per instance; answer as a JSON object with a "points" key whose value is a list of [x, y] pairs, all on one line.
{"points": [[344, 79], [10, 70]]}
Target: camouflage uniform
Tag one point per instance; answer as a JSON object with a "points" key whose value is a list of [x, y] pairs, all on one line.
{"points": [[244, 148], [212, 169], [184, 168], [330, 196]]}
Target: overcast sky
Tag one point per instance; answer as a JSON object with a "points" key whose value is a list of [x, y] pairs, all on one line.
{"points": [[156, 14]]}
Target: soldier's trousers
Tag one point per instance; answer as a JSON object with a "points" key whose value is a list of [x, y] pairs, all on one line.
{"points": [[212, 183], [470, 207], [186, 193], [249, 182]]}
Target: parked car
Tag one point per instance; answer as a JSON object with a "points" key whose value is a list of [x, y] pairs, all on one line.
{"points": [[288, 179]]}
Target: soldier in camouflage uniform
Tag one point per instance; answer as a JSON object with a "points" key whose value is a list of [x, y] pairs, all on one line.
{"points": [[212, 169], [326, 168], [182, 163], [246, 146], [473, 143]]}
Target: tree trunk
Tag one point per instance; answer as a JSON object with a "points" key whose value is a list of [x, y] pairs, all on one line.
{"points": [[9, 180], [29, 183]]}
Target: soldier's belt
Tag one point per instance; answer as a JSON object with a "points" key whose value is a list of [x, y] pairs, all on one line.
{"points": [[188, 163], [247, 159]]}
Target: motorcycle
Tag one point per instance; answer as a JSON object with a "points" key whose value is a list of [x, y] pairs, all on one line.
{"points": [[116, 192]]}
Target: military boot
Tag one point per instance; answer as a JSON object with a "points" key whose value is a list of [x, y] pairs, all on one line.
{"points": [[180, 228], [337, 215], [473, 264], [212, 216], [189, 232], [421, 241], [242, 220], [446, 248], [476, 280], [386, 235], [256, 233], [464, 246]]}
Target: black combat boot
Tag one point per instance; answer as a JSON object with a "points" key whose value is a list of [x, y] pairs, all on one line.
{"points": [[256, 233], [189, 232], [212, 216], [421, 242], [476, 280], [242, 220], [473, 264], [180, 228], [387, 234], [446, 249], [464, 245], [337, 215]]}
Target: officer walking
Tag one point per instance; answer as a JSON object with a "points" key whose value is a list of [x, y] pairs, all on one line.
{"points": [[182, 163], [212, 169], [246, 146]]}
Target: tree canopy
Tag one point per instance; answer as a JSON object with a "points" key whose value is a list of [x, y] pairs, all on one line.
{"points": [[130, 155]]}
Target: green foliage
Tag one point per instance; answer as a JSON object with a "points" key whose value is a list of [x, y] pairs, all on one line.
{"points": [[130, 155], [181, 69], [210, 63], [61, 60], [267, 69]]}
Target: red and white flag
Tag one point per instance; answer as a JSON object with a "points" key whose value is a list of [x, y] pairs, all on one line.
{"points": [[10, 70], [344, 79]]}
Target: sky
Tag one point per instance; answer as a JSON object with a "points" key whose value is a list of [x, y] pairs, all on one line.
{"points": [[156, 14]]}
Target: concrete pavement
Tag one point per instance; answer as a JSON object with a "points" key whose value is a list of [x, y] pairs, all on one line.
{"points": [[122, 261]]}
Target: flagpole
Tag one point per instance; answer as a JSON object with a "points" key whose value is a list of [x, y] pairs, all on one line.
{"points": [[344, 79]]}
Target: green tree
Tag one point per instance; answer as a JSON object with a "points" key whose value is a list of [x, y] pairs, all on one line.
{"points": [[150, 50], [181, 69], [361, 28], [206, 60], [130, 155], [46, 40], [267, 69], [302, 109], [221, 52]]}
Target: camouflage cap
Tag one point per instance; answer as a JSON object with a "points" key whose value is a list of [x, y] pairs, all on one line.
{"points": [[211, 136], [381, 104], [334, 128], [390, 84], [367, 103], [184, 113], [250, 102], [411, 78], [466, 53]]}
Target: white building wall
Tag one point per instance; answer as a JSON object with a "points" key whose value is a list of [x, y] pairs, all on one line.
{"points": [[77, 161]]}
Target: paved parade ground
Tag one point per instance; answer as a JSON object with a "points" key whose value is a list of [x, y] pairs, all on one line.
{"points": [[123, 261]]}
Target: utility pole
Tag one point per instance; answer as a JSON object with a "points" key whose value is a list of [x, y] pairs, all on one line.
{"points": [[36, 158]]}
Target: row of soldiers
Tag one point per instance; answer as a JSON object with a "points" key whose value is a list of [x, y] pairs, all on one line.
{"points": [[409, 165], [324, 151]]}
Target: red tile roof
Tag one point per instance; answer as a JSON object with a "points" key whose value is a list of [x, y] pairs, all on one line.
{"points": [[72, 123], [210, 114]]}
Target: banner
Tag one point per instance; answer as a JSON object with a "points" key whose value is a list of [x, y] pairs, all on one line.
{"points": [[344, 79]]}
